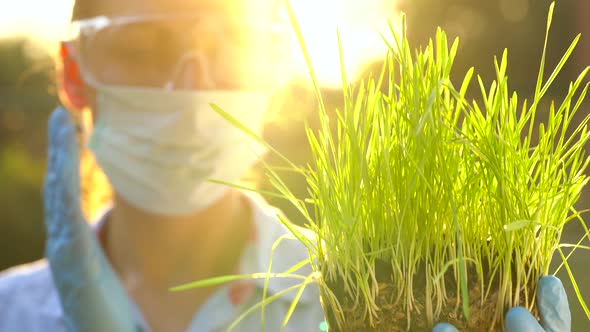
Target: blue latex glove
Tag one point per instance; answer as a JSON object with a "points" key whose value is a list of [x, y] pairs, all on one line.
{"points": [[91, 296], [553, 309]]}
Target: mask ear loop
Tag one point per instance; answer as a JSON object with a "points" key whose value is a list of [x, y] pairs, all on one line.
{"points": [[194, 57]]}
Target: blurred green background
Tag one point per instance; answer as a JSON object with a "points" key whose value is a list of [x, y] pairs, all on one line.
{"points": [[28, 95]]}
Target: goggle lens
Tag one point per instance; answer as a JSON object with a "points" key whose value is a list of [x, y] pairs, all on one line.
{"points": [[148, 52]]}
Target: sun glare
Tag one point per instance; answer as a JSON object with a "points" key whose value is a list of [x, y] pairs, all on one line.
{"points": [[359, 24], [41, 21]]}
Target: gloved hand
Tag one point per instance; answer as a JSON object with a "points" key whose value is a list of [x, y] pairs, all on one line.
{"points": [[553, 309], [91, 296]]}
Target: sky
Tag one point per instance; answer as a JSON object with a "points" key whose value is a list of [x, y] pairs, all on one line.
{"points": [[359, 22], [42, 20]]}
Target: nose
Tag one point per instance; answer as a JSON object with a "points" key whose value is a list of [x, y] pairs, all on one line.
{"points": [[192, 72]]}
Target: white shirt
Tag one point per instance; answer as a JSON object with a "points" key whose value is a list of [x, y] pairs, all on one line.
{"points": [[29, 300]]}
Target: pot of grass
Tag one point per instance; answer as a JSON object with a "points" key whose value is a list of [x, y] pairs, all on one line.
{"points": [[427, 206]]}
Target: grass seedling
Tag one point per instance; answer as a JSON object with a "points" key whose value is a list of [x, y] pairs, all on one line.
{"points": [[426, 206], [441, 200]]}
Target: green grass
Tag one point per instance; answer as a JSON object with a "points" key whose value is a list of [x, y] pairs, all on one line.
{"points": [[419, 176], [413, 174]]}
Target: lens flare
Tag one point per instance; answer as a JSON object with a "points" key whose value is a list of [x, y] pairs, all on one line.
{"points": [[360, 24]]}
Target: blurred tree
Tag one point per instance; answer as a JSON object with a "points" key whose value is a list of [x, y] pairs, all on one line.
{"points": [[26, 98], [486, 28]]}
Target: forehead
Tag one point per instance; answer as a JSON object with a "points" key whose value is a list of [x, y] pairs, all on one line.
{"points": [[255, 9]]}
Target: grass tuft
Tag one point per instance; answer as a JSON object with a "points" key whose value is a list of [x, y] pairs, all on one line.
{"points": [[444, 193], [413, 174]]}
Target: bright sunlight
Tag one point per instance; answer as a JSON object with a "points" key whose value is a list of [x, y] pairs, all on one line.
{"points": [[358, 22], [39, 20]]}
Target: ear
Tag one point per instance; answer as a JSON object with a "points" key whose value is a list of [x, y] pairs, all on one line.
{"points": [[71, 85]]}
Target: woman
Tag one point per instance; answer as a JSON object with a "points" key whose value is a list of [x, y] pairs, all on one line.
{"points": [[146, 71]]}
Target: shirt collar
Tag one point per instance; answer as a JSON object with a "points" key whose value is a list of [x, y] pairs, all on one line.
{"points": [[256, 258]]}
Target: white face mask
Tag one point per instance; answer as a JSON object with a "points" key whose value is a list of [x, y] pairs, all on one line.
{"points": [[159, 148]]}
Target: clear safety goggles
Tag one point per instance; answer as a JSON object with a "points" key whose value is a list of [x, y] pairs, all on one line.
{"points": [[180, 51]]}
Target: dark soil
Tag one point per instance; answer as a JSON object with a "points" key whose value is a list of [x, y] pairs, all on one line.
{"points": [[394, 318]]}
